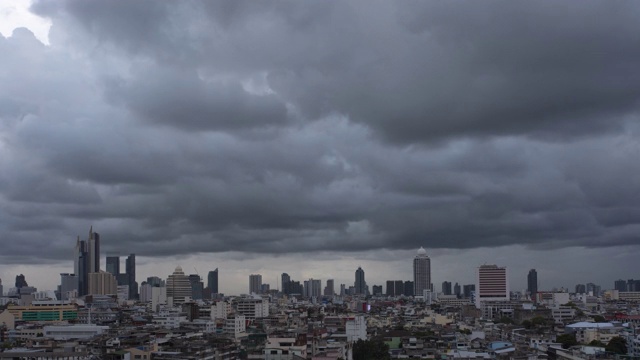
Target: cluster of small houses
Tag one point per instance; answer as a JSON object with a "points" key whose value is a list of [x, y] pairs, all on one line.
{"points": [[277, 327]]}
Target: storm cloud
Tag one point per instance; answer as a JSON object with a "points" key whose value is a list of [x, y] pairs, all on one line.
{"points": [[286, 127]]}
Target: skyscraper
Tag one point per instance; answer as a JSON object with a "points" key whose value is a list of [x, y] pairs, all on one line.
{"points": [[532, 283], [329, 290], [21, 281], [492, 284], [446, 287], [113, 265], [285, 278], [212, 281], [93, 249], [620, 285], [197, 286], [360, 283], [68, 284], [102, 283], [255, 283], [81, 266], [130, 267], [178, 286], [408, 288], [421, 272], [457, 290]]}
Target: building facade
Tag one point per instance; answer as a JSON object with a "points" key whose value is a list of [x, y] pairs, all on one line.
{"points": [[492, 284], [421, 272]]}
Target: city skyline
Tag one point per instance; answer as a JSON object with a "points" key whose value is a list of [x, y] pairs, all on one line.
{"points": [[315, 138]]}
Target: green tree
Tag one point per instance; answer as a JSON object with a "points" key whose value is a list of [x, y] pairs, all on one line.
{"points": [[527, 324], [617, 345], [538, 321], [370, 349], [505, 320], [599, 319], [567, 340], [596, 343]]}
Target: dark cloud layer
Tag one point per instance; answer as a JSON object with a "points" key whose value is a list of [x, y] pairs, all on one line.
{"points": [[271, 127]]}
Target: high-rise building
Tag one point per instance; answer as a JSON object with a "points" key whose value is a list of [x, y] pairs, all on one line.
{"points": [[113, 265], [93, 249], [620, 285], [21, 281], [421, 272], [329, 290], [446, 287], [68, 286], [178, 287], [377, 290], [197, 287], [532, 283], [633, 285], [312, 288], [285, 283], [255, 283], [492, 284], [81, 266], [102, 283], [581, 289], [130, 267], [408, 288], [360, 284], [155, 281], [1, 289], [457, 290], [467, 290], [212, 281], [343, 289], [593, 288]]}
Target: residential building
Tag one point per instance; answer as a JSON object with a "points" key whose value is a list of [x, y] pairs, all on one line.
{"points": [[255, 283], [446, 287], [329, 290], [102, 283]]}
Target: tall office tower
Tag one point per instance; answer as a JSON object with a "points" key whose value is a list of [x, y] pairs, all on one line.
{"points": [[212, 281], [113, 265], [408, 288], [255, 283], [312, 288], [446, 287], [391, 288], [633, 285], [102, 283], [620, 285], [178, 287], [467, 290], [456, 290], [399, 287], [343, 290], [68, 285], [581, 289], [21, 281], [329, 290], [81, 266], [532, 283], [421, 272], [155, 281], [197, 287], [1, 289], [360, 284], [492, 284], [93, 248], [285, 278], [130, 267]]}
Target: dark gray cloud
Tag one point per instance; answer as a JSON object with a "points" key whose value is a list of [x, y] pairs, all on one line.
{"points": [[284, 127]]}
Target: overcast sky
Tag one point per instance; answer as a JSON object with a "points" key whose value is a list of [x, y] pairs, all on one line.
{"points": [[311, 137]]}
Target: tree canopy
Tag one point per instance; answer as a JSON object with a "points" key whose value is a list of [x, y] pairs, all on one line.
{"points": [[370, 349], [617, 345]]}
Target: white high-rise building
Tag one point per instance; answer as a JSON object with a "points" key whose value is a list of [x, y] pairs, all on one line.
{"points": [[421, 272], [492, 284]]}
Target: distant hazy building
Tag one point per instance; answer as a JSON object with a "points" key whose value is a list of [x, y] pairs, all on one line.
{"points": [[102, 283], [155, 281], [360, 283], [265, 288], [86, 260], [113, 265], [468, 290], [130, 267], [377, 290], [145, 292], [68, 286], [312, 288], [408, 288], [197, 286], [620, 285], [285, 279], [581, 289], [532, 283], [212, 281], [446, 287], [457, 291], [421, 272], [255, 283], [492, 284], [178, 287], [329, 290]]}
